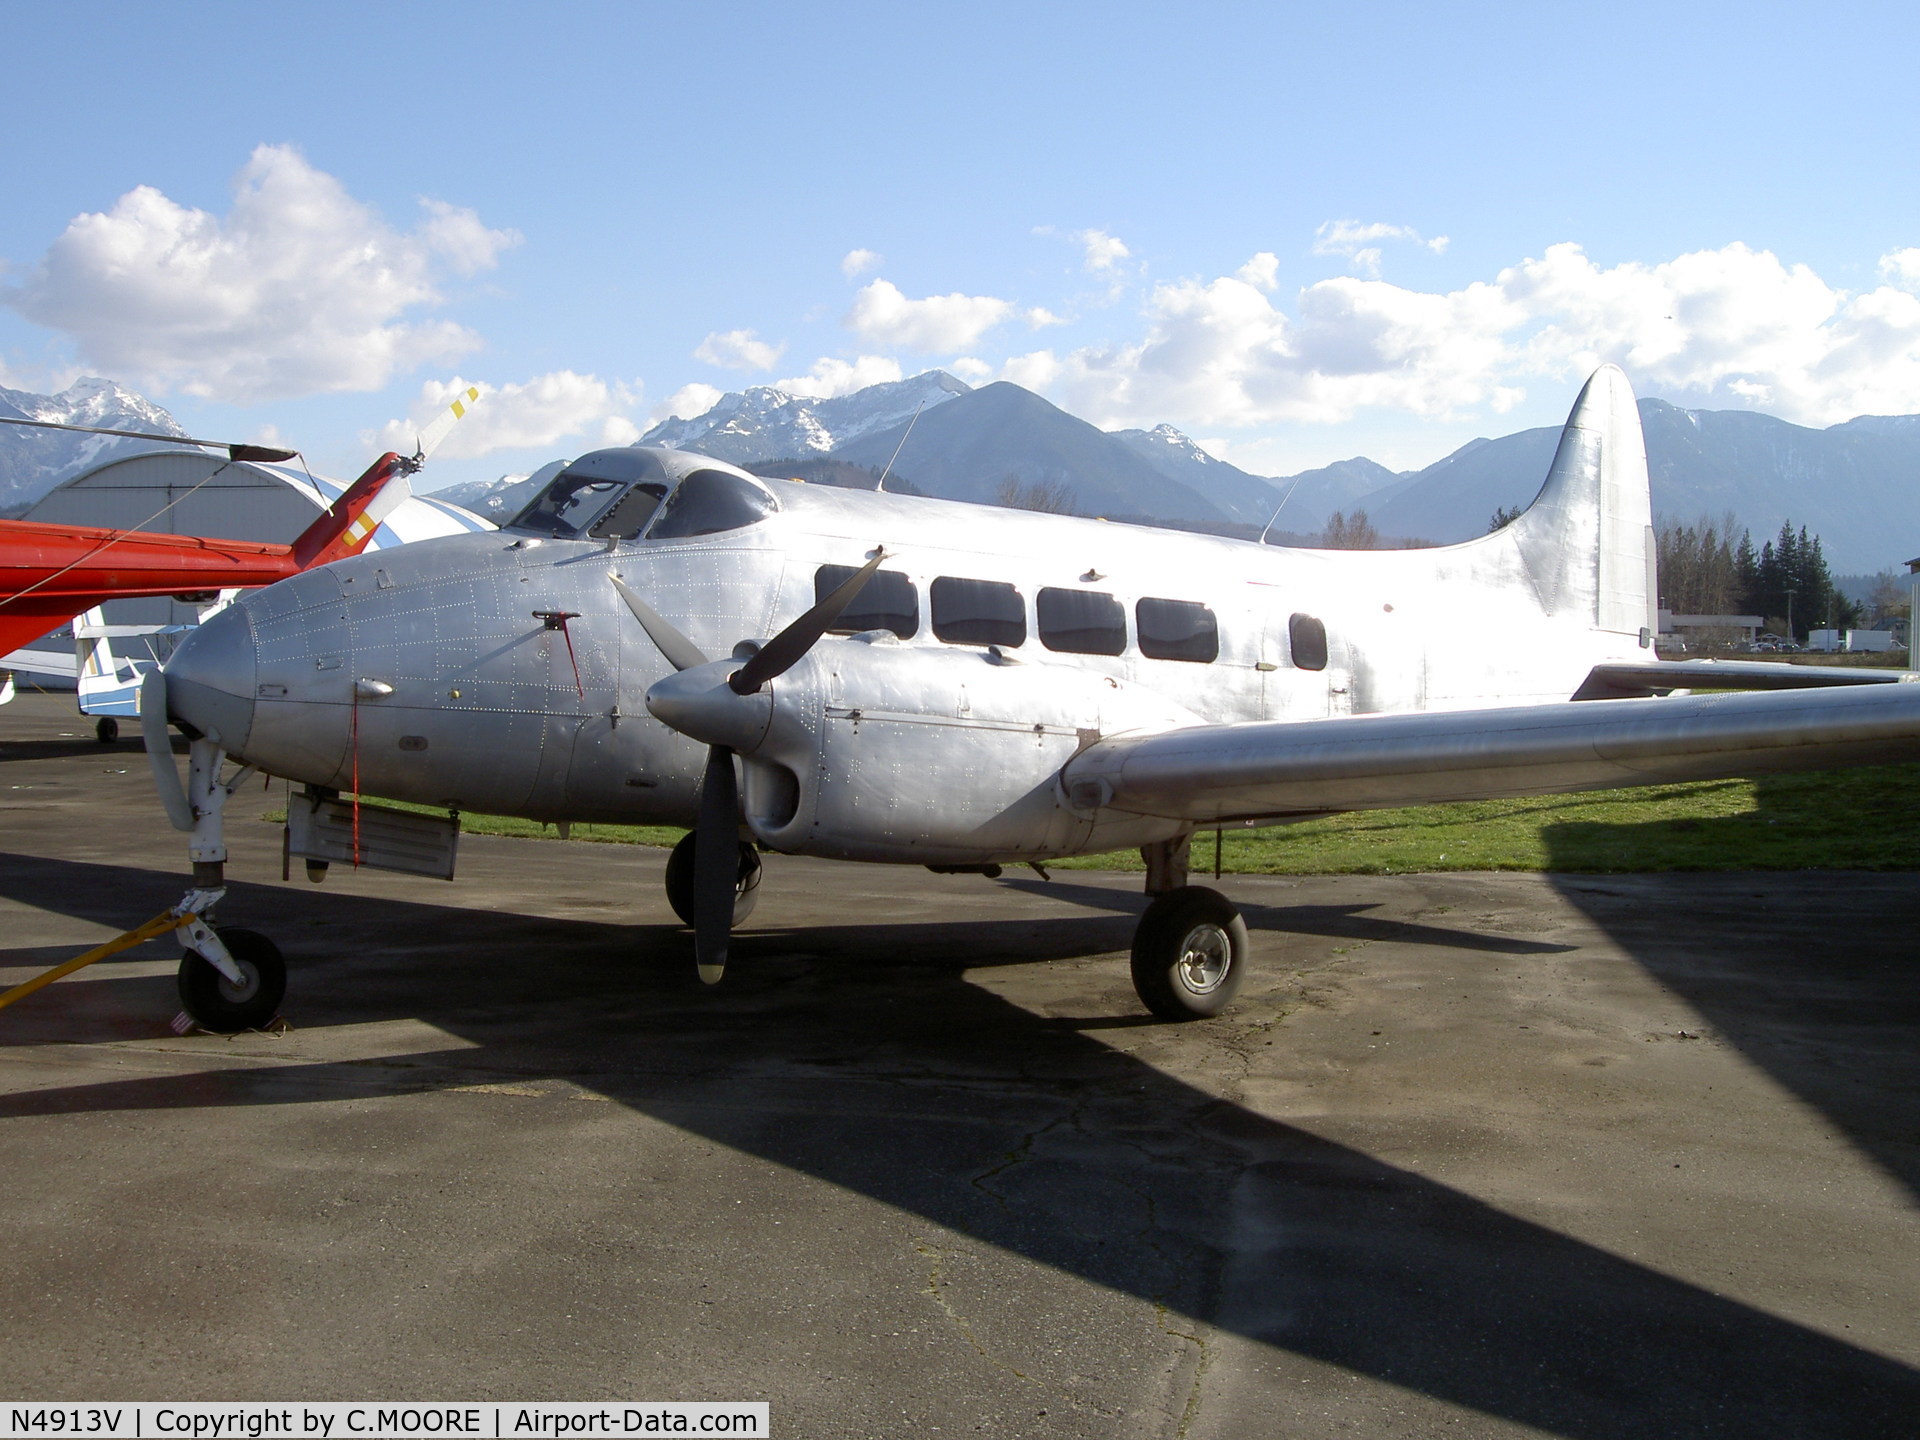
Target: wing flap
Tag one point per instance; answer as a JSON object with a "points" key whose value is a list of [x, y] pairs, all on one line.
{"points": [[1271, 769]]}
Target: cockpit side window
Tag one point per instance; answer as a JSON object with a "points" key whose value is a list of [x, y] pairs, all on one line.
{"points": [[567, 506], [585, 498], [709, 502], [628, 516]]}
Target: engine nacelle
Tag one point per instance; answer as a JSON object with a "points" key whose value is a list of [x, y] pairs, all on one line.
{"points": [[874, 750]]}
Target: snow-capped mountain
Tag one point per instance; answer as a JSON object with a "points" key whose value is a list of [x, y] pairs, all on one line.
{"points": [[763, 423], [500, 500], [1246, 497], [32, 461]]}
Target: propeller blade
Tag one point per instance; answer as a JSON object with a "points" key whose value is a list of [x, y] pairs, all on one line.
{"points": [[430, 438], [784, 651], [716, 864], [153, 729], [234, 452], [681, 652]]}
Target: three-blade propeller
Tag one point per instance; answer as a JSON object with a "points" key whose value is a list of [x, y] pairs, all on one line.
{"points": [[716, 836]]}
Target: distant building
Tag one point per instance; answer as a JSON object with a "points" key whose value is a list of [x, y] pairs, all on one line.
{"points": [[1711, 627]]}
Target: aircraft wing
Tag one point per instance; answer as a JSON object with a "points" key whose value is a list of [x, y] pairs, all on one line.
{"points": [[42, 662], [1268, 769]]}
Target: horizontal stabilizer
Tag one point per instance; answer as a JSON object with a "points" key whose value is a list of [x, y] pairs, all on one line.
{"points": [[1369, 762], [1652, 677]]}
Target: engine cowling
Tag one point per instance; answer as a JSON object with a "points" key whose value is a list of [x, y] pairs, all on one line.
{"points": [[868, 749]]}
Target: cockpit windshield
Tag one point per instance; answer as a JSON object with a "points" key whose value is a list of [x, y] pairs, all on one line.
{"points": [[616, 494], [607, 494]]}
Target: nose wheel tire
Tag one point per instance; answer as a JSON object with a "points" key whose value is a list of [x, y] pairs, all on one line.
{"points": [[746, 893], [219, 1005], [1189, 954], [106, 729]]}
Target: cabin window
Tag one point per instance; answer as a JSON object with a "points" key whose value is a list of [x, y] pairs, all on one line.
{"points": [[977, 612], [886, 602], [709, 502], [1177, 630], [1081, 622], [1307, 639]]}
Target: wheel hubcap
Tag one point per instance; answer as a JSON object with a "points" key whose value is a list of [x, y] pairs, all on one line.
{"points": [[244, 991], [1205, 957]]}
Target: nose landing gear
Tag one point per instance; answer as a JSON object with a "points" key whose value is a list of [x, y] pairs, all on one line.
{"points": [[224, 1006]]}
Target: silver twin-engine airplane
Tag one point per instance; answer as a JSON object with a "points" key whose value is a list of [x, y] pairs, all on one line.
{"points": [[663, 638]]}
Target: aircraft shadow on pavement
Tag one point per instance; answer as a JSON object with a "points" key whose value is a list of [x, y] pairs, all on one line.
{"points": [[1341, 922], [1827, 1007], [1029, 1136]]}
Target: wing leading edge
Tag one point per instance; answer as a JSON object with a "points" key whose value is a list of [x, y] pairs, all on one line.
{"points": [[1269, 769]]}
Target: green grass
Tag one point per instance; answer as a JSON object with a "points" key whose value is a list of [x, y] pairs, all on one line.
{"points": [[663, 835], [1861, 819]]}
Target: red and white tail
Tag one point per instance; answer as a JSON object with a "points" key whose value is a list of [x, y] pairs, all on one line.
{"points": [[347, 527]]}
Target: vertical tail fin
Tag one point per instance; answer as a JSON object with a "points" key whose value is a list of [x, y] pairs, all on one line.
{"points": [[345, 529], [1587, 539]]}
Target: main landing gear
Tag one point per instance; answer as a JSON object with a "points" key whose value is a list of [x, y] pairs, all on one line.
{"points": [[1190, 949], [746, 885]]}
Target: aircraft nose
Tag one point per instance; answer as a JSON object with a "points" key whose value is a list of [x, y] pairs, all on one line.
{"points": [[210, 679]]}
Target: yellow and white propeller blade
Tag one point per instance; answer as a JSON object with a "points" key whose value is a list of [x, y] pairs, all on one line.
{"points": [[431, 437]]}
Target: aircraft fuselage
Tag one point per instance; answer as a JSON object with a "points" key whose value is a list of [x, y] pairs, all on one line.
{"points": [[501, 672]]}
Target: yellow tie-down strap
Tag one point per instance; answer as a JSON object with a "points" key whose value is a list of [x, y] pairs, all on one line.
{"points": [[160, 924]]}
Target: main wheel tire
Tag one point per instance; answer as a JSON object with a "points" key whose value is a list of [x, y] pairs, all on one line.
{"points": [[216, 1003], [746, 885], [106, 729], [1189, 954]]}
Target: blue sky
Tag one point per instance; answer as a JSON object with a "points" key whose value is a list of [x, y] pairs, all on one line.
{"points": [[1296, 234]]}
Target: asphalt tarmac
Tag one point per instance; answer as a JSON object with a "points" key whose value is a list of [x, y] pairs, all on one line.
{"points": [[1474, 1155]]}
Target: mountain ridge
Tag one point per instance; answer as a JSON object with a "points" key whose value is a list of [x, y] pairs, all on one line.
{"points": [[32, 462]]}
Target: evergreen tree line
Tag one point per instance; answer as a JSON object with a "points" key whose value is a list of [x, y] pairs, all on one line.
{"points": [[1705, 570]]}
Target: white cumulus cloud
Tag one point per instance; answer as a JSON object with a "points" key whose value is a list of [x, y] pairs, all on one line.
{"points": [[882, 315], [534, 414], [687, 403], [1731, 326], [739, 350], [1101, 251], [830, 376], [859, 262], [1361, 244], [298, 289], [1262, 272]]}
